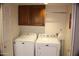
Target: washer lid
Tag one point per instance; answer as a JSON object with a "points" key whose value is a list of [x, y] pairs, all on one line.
{"points": [[48, 40], [26, 38]]}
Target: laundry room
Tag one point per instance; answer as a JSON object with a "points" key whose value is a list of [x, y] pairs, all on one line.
{"points": [[36, 29]]}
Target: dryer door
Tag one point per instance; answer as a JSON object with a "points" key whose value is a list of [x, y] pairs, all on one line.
{"points": [[47, 51]]}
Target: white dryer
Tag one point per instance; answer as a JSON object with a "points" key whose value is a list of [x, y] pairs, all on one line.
{"points": [[24, 45], [47, 45]]}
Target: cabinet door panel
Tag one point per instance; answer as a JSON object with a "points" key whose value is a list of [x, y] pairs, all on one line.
{"points": [[23, 15], [38, 15]]}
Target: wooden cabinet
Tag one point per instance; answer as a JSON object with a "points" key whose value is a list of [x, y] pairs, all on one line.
{"points": [[31, 15]]}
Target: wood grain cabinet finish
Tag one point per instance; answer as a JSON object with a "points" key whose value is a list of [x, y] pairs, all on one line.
{"points": [[31, 15]]}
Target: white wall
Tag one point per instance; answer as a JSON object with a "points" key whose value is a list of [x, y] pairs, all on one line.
{"points": [[56, 16], [55, 22], [10, 26], [56, 7], [32, 29]]}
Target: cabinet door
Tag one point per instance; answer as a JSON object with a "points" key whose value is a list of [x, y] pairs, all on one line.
{"points": [[24, 12], [38, 13], [31, 15]]}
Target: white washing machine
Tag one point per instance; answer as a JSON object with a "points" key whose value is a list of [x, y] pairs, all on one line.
{"points": [[24, 45], [46, 45]]}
